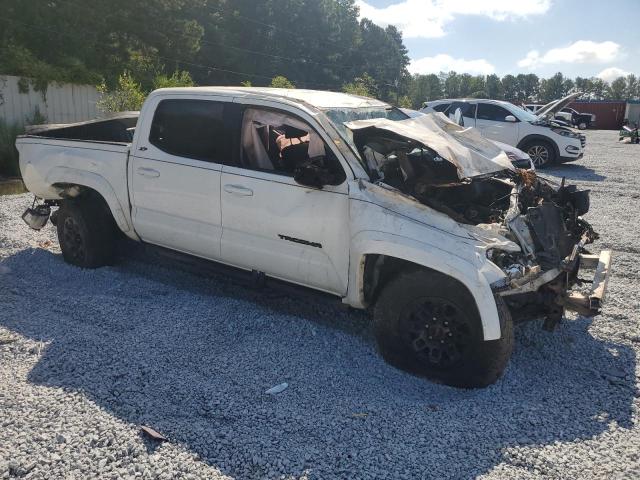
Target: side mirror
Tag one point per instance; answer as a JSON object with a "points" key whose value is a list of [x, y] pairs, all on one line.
{"points": [[510, 118], [311, 175]]}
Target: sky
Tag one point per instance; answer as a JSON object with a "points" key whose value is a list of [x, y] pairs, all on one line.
{"points": [[576, 37]]}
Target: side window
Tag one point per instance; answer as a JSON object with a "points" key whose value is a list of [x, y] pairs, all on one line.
{"points": [[191, 129], [280, 143], [442, 107], [489, 111]]}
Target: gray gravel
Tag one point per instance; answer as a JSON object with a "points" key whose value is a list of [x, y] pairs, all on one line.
{"points": [[86, 357]]}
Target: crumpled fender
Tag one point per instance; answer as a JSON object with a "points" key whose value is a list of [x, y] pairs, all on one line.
{"points": [[62, 175], [476, 277]]}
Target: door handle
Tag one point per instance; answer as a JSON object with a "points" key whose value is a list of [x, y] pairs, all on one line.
{"points": [[148, 172], [238, 190]]}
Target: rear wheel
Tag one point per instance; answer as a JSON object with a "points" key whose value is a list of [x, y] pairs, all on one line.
{"points": [[86, 232], [427, 323], [541, 153], [582, 125]]}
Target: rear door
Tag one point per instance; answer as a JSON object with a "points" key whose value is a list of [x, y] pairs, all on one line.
{"points": [[175, 174], [273, 224], [490, 120]]}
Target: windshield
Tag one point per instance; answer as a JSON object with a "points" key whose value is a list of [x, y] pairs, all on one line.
{"points": [[338, 117], [522, 114]]}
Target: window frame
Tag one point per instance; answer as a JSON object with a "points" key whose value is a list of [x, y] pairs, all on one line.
{"points": [[225, 105], [238, 155], [493, 105]]}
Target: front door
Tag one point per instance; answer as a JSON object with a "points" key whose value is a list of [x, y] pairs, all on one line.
{"points": [[492, 123], [275, 225]]}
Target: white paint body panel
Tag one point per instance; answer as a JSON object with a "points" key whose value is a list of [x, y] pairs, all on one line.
{"points": [[237, 216]]}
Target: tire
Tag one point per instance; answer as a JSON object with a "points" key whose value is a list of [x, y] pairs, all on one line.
{"points": [[541, 152], [582, 126], [450, 347], [86, 232]]}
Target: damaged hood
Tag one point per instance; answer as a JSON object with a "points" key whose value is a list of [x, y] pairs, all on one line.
{"points": [[551, 108], [465, 148]]}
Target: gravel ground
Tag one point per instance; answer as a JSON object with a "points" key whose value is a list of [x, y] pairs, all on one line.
{"points": [[86, 357]]}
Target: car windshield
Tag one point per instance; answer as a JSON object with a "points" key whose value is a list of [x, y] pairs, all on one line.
{"points": [[522, 114], [339, 116]]}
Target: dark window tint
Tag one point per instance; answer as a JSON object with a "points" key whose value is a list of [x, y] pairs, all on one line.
{"points": [[488, 111], [442, 107], [467, 109], [192, 129]]}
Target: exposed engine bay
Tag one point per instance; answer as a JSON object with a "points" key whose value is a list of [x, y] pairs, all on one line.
{"points": [[540, 220]]}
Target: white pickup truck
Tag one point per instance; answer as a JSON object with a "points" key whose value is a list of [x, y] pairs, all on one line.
{"points": [[421, 219]]}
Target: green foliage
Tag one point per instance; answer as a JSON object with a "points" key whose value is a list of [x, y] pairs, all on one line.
{"points": [[36, 117], [127, 96], [8, 154], [246, 83], [363, 86], [280, 81], [177, 79]]}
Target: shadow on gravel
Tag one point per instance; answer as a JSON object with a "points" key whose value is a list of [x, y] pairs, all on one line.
{"points": [[573, 172], [192, 357]]}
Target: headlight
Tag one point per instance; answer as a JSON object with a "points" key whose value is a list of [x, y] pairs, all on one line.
{"points": [[565, 133]]}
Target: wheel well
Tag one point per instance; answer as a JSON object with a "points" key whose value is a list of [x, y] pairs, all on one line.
{"points": [[380, 269], [531, 138], [71, 192]]}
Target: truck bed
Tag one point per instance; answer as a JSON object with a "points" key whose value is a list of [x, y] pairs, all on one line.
{"points": [[93, 154]]}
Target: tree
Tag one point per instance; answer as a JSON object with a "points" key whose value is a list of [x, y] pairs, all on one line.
{"points": [[177, 79], [494, 88], [280, 81], [633, 87], [128, 95], [363, 86], [510, 88], [423, 88], [553, 88], [452, 85], [618, 89]]}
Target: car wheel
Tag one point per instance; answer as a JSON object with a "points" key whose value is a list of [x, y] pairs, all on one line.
{"points": [[582, 125], [426, 323], [86, 233], [541, 153]]}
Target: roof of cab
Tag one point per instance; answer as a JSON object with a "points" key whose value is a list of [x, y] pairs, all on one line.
{"points": [[317, 98]]}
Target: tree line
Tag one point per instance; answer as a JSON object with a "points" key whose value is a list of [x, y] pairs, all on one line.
{"points": [[129, 47]]}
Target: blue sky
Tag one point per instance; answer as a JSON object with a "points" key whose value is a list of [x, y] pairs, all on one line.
{"points": [[578, 38]]}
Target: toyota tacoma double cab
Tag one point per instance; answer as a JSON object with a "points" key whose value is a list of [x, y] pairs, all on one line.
{"points": [[420, 220]]}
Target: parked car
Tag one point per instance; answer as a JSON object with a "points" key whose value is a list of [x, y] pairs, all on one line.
{"points": [[519, 159], [544, 139], [569, 115], [420, 219]]}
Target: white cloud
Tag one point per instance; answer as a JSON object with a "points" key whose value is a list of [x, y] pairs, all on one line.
{"points": [[582, 51], [428, 18], [446, 63], [611, 73]]}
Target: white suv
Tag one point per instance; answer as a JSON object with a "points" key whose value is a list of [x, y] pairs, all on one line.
{"points": [[545, 140]]}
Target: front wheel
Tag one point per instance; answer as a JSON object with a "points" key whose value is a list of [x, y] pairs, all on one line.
{"points": [[541, 153], [427, 323]]}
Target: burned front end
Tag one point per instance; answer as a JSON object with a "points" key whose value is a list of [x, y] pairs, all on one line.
{"points": [[532, 227]]}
